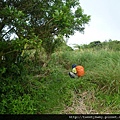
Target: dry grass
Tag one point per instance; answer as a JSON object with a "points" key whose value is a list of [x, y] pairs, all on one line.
{"points": [[78, 106]]}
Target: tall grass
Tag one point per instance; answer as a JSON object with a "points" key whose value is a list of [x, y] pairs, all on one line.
{"points": [[102, 77], [50, 89], [101, 81]]}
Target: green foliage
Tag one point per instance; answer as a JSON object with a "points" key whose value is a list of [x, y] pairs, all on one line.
{"points": [[28, 86], [50, 93], [102, 70], [21, 105], [52, 44], [95, 44], [32, 88], [110, 45], [43, 19]]}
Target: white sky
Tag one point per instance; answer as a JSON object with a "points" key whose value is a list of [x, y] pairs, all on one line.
{"points": [[104, 24]]}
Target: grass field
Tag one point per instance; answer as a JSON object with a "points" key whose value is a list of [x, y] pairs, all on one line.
{"points": [[96, 92], [49, 89]]}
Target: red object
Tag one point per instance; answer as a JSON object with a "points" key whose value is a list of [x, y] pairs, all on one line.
{"points": [[80, 70]]}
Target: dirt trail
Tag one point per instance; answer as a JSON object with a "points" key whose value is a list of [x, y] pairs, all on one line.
{"points": [[79, 107]]}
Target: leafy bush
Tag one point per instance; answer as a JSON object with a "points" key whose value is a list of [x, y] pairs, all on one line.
{"points": [[21, 105]]}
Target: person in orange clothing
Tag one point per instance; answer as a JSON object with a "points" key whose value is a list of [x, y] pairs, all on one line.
{"points": [[77, 71]]}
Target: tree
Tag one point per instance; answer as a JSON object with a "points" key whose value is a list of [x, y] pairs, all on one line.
{"points": [[35, 23], [95, 44], [53, 18], [42, 18]]}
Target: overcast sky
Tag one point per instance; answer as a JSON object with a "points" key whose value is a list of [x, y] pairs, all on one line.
{"points": [[104, 24]]}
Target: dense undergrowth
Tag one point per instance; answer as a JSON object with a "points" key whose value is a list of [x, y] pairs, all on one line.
{"points": [[33, 88]]}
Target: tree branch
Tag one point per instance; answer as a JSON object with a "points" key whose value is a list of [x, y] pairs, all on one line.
{"points": [[8, 32]]}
